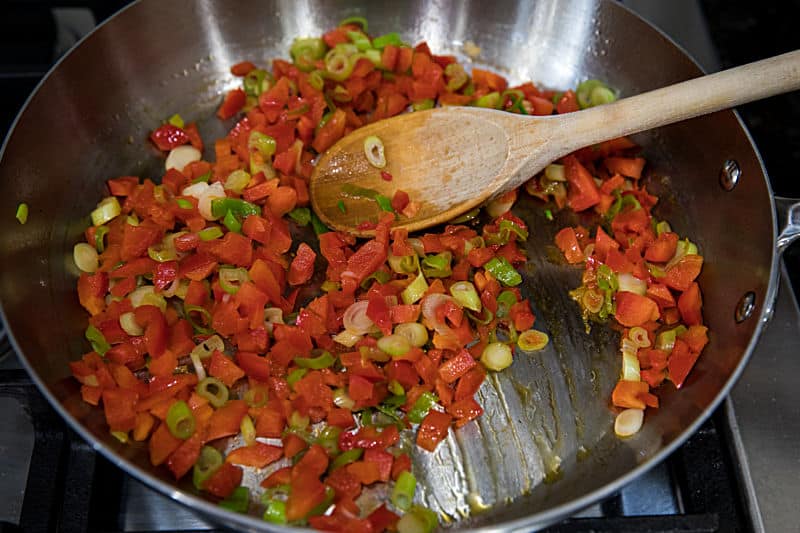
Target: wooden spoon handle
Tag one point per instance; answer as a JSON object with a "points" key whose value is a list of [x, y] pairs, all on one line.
{"points": [[681, 101]]}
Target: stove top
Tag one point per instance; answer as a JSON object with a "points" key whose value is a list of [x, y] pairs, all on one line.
{"points": [[737, 473]]}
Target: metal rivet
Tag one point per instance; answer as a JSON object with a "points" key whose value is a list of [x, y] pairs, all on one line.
{"points": [[745, 307], [730, 174]]}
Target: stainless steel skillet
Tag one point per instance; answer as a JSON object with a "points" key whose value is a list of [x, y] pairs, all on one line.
{"points": [[545, 447]]}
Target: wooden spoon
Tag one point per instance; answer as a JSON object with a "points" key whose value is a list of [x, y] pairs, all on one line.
{"points": [[452, 159]]}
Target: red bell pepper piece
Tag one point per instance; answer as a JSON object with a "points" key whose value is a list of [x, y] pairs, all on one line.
{"points": [[162, 444], [690, 305], [630, 167], [360, 388], [457, 366], [583, 192], [383, 460], [681, 361], [167, 137], [254, 365], [226, 420], [224, 369], [314, 461], [332, 131], [366, 473], [302, 267], [233, 103], [663, 248], [119, 407], [567, 242], [306, 492], [567, 103], [123, 186], [156, 334], [165, 274], [681, 275], [635, 310], [183, 459], [257, 455], [433, 429], [92, 290], [628, 394], [223, 482]]}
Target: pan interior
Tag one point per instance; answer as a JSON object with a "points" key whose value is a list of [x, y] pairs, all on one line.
{"points": [[546, 443]]}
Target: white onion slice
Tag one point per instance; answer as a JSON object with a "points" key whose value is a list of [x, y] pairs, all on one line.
{"points": [[85, 257], [630, 283], [195, 190], [501, 205], [628, 422], [429, 306], [356, 320], [181, 156]]}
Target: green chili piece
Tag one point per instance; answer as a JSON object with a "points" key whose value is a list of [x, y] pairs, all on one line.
{"points": [[99, 234], [345, 458], [97, 340], [341, 206], [360, 21], [255, 82], [204, 178], [503, 271], [384, 203], [316, 363], [240, 208], [504, 302], [22, 213], [403, 491], [180, 420], [238, 501], [275, 512], [231, 223], [198, 326], [383, 41], [301, 215], [213, 390], [209, 234], [421, 407], [438, 265], [209, 461], [296, 375], [318, 225]]}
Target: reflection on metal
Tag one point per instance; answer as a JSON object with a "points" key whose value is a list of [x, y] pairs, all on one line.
{"points": [[730, 174], [746, 306], [16, 449]]}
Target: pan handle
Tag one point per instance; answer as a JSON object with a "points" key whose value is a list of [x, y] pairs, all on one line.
{"points": [[788, 222]]}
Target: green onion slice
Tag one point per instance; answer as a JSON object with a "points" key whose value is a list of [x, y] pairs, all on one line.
{"points": [[421, 407], [209, 461], [213, 390], [97, 340], [180, 420], [403, 491], [503, 271], [325, 360], [22, 213]]}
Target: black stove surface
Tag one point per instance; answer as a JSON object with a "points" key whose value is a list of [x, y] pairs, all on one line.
{"points": [[56, 482]]}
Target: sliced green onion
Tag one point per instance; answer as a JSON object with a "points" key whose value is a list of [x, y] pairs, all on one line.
{"points": [[345, 458], [415, 290], [405, 264], [663, 227], [591, 93], [532, 340], [183, 203], [403, 491], [176, 120], [606, 279], [263, 143], [22, 213], [417, 520], [666, 339], [99, 238], [354, 191], [301, 215], [180, 420], [395, 345], [437, 265], [601, 96], [237, 181], [360, 21], [202, 178], [85, 257], [256, 396], [373, 149], [328, 438], [305, 51], [465, 294], [298, 422], [492, 100], [486, 317], [340, 205], [630, 283], [456, 76], [316, 80], [548, 214], [503, 271], [127, 322], [325, 360], [422, 105], [421, 407], [213, 390], [106, 210], [97, 340], [230, 222], [360, 40], [209, 234], [338, 63], [198, 326], [248, 430], [630, 362], [209, 461], [342, 399], [230, 279], [238, 501], [256, 82], [496, 356], [383, 41], [296, 375], [121, 436], [161, 253], [146, 295], [275, 512]]}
